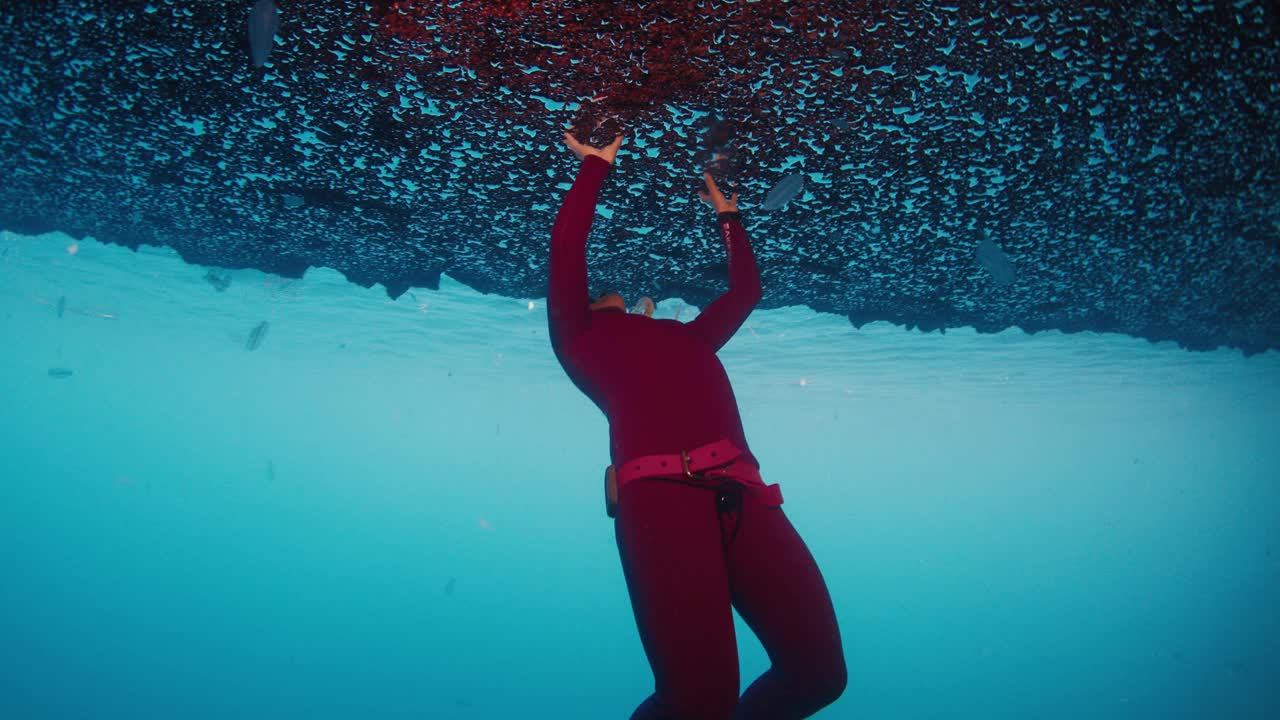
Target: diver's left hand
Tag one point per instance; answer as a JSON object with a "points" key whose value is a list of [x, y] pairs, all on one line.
{"points": [[715, 198]]}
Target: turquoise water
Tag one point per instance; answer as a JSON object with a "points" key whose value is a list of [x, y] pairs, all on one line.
{"points": [[394, 509]]}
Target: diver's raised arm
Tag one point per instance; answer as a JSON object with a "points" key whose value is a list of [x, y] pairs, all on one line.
{"points": [[567, 295], [722, 318]]}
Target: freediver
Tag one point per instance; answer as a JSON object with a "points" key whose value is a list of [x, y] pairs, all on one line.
{"points": [[698, 530]]}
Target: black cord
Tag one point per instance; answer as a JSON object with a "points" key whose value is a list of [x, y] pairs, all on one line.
{"points": [[728, 500]]}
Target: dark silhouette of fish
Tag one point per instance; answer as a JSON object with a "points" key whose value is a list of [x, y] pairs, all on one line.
{"points": [[992, 258], [264, 21], [219, 280], [62, 305], [256, 336], [787, 188], [59, 373]]}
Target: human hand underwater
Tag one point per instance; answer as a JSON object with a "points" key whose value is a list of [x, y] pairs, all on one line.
{"points": [[608, 152], [715, 198]]}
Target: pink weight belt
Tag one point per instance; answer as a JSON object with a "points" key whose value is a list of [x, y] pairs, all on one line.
{"points": [[717, 461]]}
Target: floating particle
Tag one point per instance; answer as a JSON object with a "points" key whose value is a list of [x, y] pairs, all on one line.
{"points": [[993, 259], [484, 524], [787, 188], [264, 21], [293, 201], [219, 280], [256, 336], [59, 373], [62, 305], [73, 248], [531, 306]]}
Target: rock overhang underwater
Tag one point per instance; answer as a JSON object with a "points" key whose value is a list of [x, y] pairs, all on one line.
{"points": [[1110, 167]]}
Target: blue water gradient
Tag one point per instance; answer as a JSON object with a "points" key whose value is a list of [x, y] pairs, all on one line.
{"points": [[393, 508]]}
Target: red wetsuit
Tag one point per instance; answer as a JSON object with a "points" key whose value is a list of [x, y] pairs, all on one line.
{"points": [[663, 389], [658, 381]]}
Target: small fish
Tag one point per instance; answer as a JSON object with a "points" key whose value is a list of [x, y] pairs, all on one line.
{"points": [[994, 260], [264, 21], [59, 373], [782, 193], [219, 280], [62, 305], [256, 335]]}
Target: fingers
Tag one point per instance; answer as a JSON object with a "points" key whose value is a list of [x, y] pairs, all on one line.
{"points": [[711, 182], [581, 148]]}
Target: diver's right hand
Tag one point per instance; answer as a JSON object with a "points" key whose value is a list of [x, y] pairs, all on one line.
{"points": [[715, 198], [607, 153]]}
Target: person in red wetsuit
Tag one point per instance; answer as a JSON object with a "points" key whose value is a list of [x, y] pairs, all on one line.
{"points": [[698, 531]]}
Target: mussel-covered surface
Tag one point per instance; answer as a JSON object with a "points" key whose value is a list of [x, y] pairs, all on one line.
{"points": [[1109, 166]]}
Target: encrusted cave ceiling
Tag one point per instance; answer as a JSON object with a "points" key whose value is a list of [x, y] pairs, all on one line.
{"points": [[1105, 166]]}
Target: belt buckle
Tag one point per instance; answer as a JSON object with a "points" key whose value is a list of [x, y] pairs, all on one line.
{"points": [[684, 464]]}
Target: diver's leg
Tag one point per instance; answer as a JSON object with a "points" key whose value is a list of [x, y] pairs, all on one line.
{"points": [[781, 595], [669, 541]]}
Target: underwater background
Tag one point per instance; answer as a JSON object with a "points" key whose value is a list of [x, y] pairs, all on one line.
{"points": [[376, 508]]}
